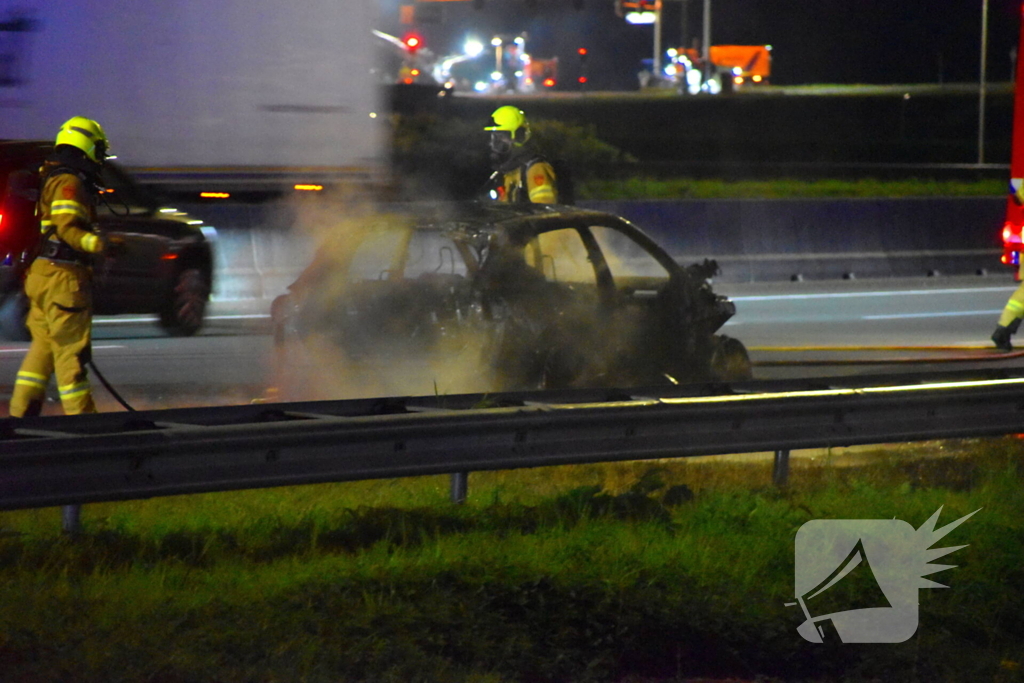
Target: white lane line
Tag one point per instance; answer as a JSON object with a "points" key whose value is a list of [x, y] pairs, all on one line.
{"points": [[240, 316], [150, 319], [119, 321], [95, 348], [852, 295], [945, 314]]}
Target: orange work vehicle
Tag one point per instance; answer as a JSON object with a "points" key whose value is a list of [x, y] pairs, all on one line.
{"points": [[745, 63]]}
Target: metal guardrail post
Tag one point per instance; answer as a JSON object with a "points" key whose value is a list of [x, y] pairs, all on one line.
{"points": [[460, 486], [780, 468], [71, 519]]}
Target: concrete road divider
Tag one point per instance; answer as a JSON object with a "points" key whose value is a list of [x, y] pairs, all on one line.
{"points": [[817, 239]]}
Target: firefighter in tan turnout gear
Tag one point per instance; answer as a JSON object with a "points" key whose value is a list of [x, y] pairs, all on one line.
{"points": [[520, 174], [59, 281]]}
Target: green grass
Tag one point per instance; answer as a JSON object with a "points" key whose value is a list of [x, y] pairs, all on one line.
{"points": [[684, 188], [627, 571]]}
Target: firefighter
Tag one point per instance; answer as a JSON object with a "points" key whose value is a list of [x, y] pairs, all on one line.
{"points": [[1010, 318], [59, 281], [520, 174]]}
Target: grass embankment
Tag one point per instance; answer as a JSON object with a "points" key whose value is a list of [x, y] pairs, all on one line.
{"points": [[635, 571], [685, 188]]}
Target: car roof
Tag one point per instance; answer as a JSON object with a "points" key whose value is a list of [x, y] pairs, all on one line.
{"points": [[520, 222], [510, 217], [15, 154], [30, 154]]}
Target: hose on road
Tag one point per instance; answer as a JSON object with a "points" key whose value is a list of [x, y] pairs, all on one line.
{"points": [[110, 388]]}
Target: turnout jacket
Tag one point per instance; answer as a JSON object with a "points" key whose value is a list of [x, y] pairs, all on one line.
{"points": [[68, 212]]}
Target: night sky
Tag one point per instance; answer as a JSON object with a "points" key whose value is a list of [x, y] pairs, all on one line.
{"points": [[814, 41]]}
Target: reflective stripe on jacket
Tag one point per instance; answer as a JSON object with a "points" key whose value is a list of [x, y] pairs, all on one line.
{"points": [[540, 184], [67, 207]]}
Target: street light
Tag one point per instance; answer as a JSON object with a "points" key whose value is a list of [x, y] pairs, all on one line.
{"points": [[497, 43], [981, 83], [705, 47]]}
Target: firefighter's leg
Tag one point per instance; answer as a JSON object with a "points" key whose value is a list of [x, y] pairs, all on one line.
{"points": [[37, 366], [69, 316], [1010, 319]]}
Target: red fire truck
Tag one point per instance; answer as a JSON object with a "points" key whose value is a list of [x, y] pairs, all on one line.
{"points": [[1014, 225]]}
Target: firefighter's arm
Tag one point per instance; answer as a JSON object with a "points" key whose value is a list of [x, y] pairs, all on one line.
{"points": [[71, 215], [540, 183]]}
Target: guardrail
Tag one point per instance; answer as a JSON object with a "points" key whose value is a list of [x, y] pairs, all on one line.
{"points": [[119, 456]]}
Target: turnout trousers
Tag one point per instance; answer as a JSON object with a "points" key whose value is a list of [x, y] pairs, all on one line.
{"points": [[60, 321], [1014, 307]]}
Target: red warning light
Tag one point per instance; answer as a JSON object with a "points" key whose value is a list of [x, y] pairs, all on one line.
{"points": [[583, 79], [582, 52], [412, 42], [549, 82]]}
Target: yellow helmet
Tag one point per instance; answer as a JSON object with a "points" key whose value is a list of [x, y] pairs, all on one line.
{"points": [[86, 135], [511, 120]]}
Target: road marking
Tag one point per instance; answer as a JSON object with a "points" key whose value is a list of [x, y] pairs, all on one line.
{"points": [[945, 314], [95, 348], [240, 316], [851, 295], [151, 319]]}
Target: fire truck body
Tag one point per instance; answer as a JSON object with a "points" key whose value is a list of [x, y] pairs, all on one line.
{"points": [[1014, 225]]}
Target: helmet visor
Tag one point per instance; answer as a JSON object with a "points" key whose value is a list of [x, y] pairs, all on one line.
{"points": [[501, 141]]}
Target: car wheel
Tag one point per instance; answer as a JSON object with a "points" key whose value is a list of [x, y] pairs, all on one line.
{"points": [[729, 360], [13, 311], [183, 313]]}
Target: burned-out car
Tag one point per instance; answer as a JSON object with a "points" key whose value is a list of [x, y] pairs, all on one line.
{"points": [[552, 296]]}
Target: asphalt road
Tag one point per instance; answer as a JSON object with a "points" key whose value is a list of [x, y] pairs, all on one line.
{"points": [[802, 329], [867, 327]]}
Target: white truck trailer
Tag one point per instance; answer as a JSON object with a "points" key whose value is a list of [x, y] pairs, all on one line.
{"points": [[234, 91]]}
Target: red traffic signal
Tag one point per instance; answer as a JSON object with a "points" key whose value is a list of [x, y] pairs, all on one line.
{"points": [[582, 52], [412, 42]]}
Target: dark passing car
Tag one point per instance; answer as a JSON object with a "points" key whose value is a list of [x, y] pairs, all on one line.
{"points": [[555, 296], [165, 267]]}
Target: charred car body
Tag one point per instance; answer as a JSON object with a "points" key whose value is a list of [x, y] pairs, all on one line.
{"points": [[165, 267], [559, 296]]}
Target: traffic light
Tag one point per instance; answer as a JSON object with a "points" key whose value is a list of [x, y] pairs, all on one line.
{"points": [[412, 42]]}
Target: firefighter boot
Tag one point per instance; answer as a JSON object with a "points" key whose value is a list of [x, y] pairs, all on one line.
{"points": [[1001, 337]]}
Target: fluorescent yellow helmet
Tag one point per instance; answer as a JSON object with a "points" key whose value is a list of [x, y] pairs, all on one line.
{"points": [[86, 135], [511, 120]]}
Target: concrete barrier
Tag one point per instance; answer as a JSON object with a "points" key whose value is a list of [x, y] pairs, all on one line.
{"points": [[765, 240], [258, 253]]}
